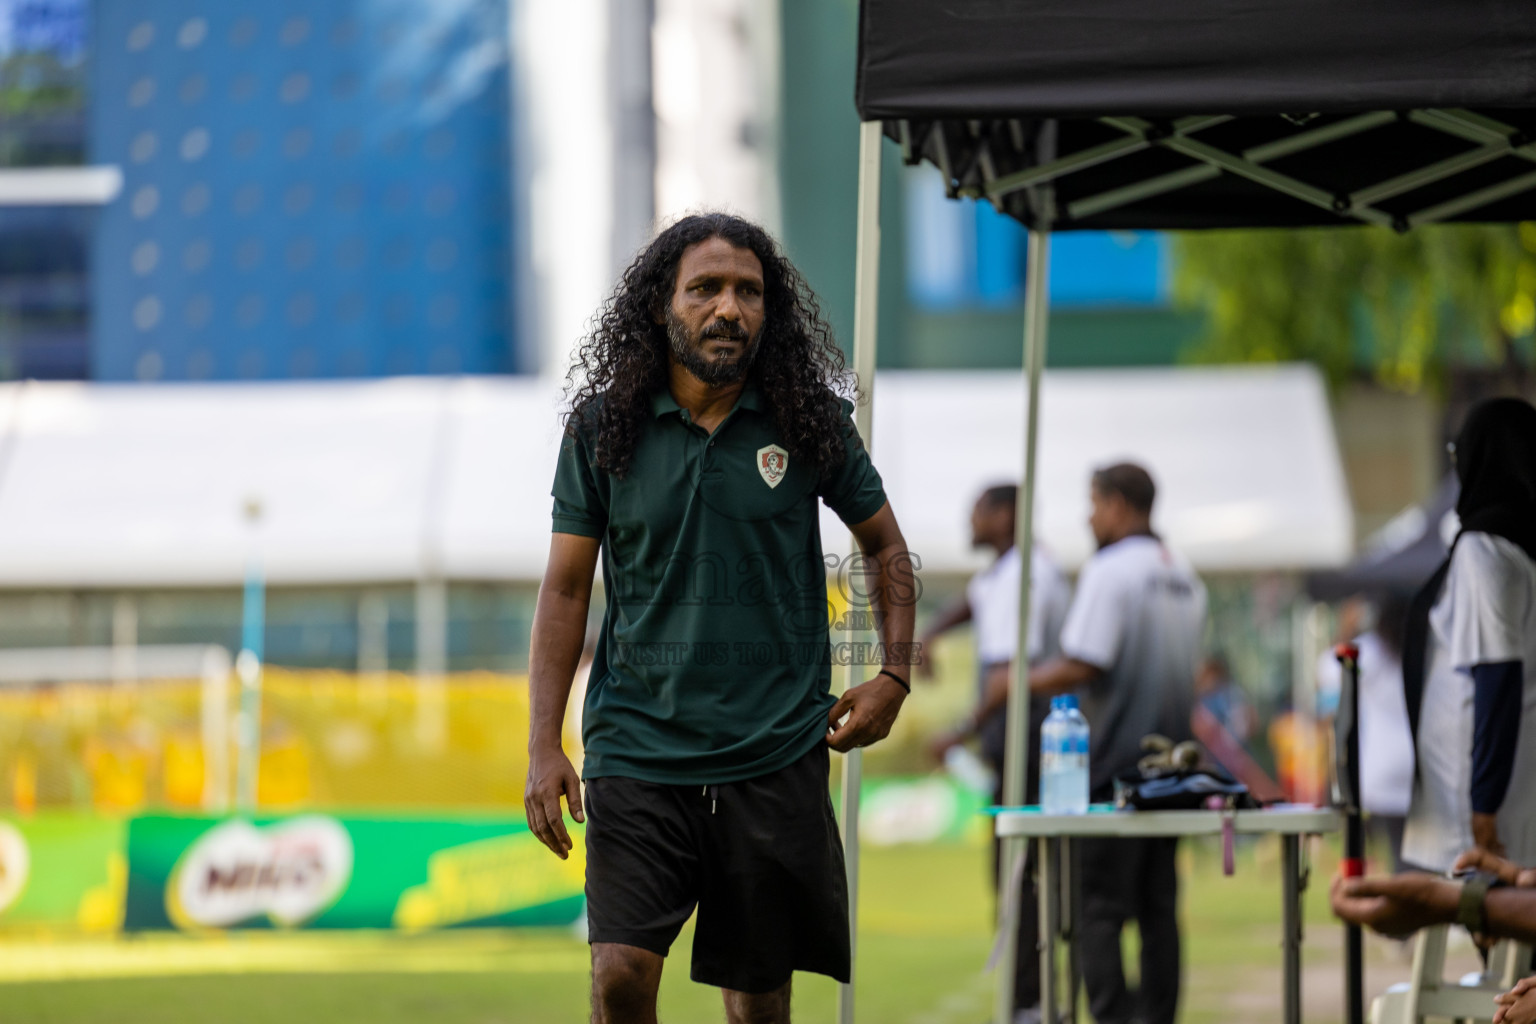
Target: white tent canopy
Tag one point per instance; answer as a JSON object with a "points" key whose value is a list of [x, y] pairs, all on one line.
{"points": [[395, 480], [1245, 460], [398, 480]]}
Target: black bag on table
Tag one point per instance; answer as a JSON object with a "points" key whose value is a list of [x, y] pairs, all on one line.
{"points": [[1182, 789]]}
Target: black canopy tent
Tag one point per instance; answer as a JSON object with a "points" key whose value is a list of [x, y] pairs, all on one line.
{"points": [[1184, 114], [1399, 557], [1212, 113]]}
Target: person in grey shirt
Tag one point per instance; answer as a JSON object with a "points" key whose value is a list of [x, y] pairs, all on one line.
{"points": [[1130, 648]]}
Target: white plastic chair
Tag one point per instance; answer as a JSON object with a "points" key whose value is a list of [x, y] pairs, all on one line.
{"points": [[1429, 996]]}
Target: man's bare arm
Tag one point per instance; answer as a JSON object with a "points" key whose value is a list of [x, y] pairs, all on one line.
{"points": [[894, 593], [1059, 675], [956, 613], [1512, 914], [1402, 904], [559, 629], [871, 707]]}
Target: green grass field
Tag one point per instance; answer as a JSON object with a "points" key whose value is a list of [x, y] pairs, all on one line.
{"points": [[924, 938]]}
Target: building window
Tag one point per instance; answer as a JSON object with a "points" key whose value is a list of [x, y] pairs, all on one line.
{"points": [[44, 288]]}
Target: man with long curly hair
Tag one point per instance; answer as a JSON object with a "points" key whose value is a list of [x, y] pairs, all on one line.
{"points": [[709, 414]]}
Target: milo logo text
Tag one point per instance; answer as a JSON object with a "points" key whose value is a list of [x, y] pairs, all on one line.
{"points": [[289, 872]]}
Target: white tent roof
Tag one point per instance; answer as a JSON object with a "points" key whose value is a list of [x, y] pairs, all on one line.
{"points": [[1245, 459], [144, 485]]}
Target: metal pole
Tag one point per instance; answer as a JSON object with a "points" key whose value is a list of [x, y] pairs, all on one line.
{"points": [[866, 303], [431, 663], [1049, 892], [1036, 312], [1347, 765], [253, 629], [1290, 855], [1071, 914]]}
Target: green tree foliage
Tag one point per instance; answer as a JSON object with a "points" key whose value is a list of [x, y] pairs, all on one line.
{"points": [[1413, 308], [36, 83]]}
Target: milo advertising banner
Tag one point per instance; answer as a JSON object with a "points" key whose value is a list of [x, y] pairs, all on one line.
{"points": [[61, 873], [322, 871]]}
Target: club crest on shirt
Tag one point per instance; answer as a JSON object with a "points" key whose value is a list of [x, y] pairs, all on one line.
{"points": [[772, 463]]}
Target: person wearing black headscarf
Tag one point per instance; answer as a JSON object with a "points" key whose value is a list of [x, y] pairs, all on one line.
{"points": [[1471, 633]]}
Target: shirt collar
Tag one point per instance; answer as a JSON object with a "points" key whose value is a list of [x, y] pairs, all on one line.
{"points": [[662, 401]]}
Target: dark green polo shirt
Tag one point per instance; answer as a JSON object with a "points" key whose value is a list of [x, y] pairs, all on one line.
{"points": [[713, 662]]}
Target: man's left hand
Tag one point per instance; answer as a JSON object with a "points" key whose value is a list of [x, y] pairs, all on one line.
{"points": [[871, 709], [1518, 1005], [1399, 905]]}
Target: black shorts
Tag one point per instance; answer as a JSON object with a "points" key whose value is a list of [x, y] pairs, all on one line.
{"points": [[762, 859]]}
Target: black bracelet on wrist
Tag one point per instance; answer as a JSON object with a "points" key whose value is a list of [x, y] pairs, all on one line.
{"points": [[904, 684]]}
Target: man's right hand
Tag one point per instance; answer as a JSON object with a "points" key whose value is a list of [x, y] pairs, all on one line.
{"points": [[550, 776]]}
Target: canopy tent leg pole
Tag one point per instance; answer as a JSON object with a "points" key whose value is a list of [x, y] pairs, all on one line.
{"points": [[865, 305], [432, 662], [1036, 312]]}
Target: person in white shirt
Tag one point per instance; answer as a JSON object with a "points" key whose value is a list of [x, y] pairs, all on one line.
{"points": [[1471, 636], [1130, 648], [991, 604]]}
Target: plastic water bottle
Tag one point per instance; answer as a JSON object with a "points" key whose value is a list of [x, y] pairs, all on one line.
{"points": [[1075, 781], [1050, 757], [1064, 759]]}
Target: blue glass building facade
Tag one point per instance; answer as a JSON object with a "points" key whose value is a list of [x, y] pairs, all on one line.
{"points": [[310, 190], [965, 255]]}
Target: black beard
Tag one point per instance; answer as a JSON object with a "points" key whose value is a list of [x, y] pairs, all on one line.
{"points": [[711, 372]]}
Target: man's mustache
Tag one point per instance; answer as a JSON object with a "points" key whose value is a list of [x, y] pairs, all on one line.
{"points": [[726, 330]]}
